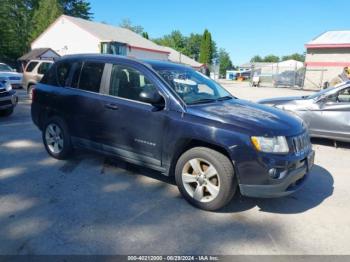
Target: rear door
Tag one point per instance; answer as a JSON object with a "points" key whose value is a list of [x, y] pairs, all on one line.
{"points": [[84, 103], [132, 129]]}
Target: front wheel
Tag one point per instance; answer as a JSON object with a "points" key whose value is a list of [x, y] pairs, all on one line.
{"points": [[56, 138], [6, 112], [205, 178]]}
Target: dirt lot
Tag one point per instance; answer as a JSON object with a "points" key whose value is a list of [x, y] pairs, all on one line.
{"points": [[89, 205]]}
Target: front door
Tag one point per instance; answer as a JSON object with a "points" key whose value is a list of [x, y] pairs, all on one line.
{"points": [[336, 114], [330, 117], [132, 129]]}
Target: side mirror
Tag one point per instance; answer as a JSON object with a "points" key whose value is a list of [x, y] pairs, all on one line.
{"points": [[14, 70], [152, 97]]}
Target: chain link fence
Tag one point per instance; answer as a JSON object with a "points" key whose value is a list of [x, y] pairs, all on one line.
{"points": [[277, 76]]}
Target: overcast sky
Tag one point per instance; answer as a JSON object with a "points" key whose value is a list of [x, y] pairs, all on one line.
{"points": [[243, 28]]}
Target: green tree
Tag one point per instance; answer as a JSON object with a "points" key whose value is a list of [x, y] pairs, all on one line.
{"points": [[46, 13], [76, 8], [295, 56], [192, 46], [206, 48], [256, 59], [145, 35], [15, 18], [271, 59], [175, 40], [224, 61], [126, 23]]}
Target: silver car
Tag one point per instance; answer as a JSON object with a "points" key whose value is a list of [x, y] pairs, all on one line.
{"points": [[327, 112]]}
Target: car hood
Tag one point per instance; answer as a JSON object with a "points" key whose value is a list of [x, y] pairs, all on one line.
{"points": [[9, 74], [282, 100], [250, 118]]}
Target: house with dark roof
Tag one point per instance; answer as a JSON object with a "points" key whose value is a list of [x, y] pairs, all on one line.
{"points": [[71, 35], [38, 54], [327, 56]]}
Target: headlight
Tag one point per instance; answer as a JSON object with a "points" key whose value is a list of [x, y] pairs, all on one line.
{"points": [[8, 86], [277, 144]]}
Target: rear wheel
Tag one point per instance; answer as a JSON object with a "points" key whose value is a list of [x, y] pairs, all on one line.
{"points": [[205, 178], [56, 138]]}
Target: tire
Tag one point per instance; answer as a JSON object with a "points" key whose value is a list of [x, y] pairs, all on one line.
{"points": [[199, 190], [6, 112], [56, 138]]}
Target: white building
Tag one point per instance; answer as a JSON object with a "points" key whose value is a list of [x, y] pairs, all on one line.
{"points": [[326, 57], [70, 35]]}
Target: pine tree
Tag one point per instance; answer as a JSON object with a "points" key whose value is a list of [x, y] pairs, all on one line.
{"points": [[145, 35], [206, 49], [76, 8], [47, 13]]}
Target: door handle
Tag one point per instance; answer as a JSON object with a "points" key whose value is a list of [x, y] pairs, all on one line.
{"points": [[111, 106]]}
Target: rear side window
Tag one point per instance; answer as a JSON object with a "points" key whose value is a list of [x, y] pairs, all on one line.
{"points": [[62, 72], [31, 66], [43, 68], [77, 66], [91, 75]]}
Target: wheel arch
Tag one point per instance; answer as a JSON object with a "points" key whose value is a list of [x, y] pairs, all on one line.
{"points": [[186, 144]]}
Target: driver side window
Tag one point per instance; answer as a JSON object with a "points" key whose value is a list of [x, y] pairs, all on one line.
{"points": [[128, 83]]}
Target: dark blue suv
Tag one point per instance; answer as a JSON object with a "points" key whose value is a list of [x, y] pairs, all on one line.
{"points": [[175, 120]]}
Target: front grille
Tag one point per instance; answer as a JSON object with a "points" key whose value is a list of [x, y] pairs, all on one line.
{"points": [[301, 143], [2, 90]]}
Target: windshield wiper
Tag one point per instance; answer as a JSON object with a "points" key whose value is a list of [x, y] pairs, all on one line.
{"points": [[202, 101], [224, 98]]}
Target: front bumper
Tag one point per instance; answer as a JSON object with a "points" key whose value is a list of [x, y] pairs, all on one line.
{"points": [[8, 100], [293, 181]]}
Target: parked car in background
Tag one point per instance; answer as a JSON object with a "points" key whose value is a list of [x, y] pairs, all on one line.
{"points": [[8, 98], [34, 72], [10, 74], [173, 119], [326, 113]]}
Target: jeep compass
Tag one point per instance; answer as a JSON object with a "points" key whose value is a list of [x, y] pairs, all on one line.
{"points": [[175, 120]]}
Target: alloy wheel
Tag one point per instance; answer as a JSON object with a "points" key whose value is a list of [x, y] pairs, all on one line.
{"points": [[54, 138], [201, 180]]}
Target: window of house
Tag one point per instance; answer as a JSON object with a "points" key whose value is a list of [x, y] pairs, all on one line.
{"points": [[127, 82], [90, 76]]}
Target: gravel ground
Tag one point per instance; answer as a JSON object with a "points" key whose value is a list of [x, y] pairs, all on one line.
{"points": [[95, 205]]}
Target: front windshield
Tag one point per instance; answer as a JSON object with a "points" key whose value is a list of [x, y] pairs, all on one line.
{"points": [[193, 87], [5, 68]]}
